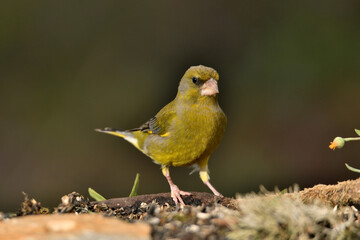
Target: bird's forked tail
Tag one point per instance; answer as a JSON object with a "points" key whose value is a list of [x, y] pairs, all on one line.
{"points": [[127, 135]]}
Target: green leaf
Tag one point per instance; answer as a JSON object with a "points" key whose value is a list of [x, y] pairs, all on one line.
{"points": [[352, 169], [283, 191], [135, 186], [357, 131], [95, 195]]}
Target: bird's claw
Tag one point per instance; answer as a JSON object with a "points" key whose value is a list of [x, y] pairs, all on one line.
{"points": [[176, 195]]}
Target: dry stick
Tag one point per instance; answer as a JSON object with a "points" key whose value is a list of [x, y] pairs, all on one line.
{"points": [[196, 198]]}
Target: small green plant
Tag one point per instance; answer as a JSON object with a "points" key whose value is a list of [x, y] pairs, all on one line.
{"points": [[95, 195], [98, 197], [135, 186], [339, 142], [352, 168]]}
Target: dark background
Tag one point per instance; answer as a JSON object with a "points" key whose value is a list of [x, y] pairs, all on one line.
{"points": [[289, 83]]}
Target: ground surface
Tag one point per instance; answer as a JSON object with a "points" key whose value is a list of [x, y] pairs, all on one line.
{"points": [[321, 212]]}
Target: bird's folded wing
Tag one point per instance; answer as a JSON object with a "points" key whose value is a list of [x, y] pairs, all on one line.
{"points": [[160, 123]]}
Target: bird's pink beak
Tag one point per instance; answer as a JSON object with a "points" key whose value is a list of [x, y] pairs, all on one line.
{"points": [[209, 88]]}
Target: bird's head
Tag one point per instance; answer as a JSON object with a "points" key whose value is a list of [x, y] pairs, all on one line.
{"points": [[199, 81]]}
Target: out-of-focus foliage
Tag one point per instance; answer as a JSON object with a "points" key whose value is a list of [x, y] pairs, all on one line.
{"points": [[289, 79]]}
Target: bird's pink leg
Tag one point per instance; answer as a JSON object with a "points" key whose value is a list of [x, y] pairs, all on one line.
{"points": [[205, 178], [207, 183], [175, 191]]}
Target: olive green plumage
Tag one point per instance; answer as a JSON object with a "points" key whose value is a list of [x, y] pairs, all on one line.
{"points": [[188, 129]]}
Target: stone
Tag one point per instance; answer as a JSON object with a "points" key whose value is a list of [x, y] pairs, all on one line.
{"points": [[72, 226]]}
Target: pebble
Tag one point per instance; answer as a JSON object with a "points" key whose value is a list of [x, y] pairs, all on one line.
{"points": [[170, 226], [192, 228], [65, 200], [153, 210], [203, 216], [153, 221], [177, 223], [220, 222]]}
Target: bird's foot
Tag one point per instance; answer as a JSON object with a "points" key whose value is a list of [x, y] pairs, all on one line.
{"points": [[176, 194]]}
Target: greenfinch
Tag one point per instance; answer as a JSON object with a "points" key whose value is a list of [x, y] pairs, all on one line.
{"points": [[186, 131]]}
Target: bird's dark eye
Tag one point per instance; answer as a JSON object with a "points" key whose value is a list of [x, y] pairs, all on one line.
{"points": [[195, 79]]}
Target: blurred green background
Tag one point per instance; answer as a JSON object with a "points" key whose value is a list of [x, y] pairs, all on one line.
{"points": [[289, 83]]}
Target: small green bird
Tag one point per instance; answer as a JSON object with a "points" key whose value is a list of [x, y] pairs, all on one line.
{"points": [[186, 131]]}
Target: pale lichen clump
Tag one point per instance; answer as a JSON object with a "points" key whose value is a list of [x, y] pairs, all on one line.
{"points": [[278, 216]]}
